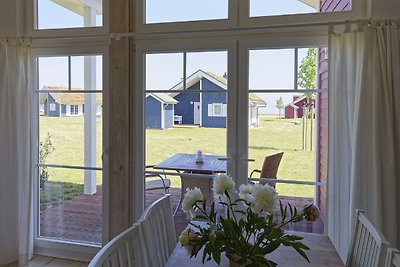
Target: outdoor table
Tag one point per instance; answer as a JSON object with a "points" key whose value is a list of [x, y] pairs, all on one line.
{"points": [[186, 164], [321, 254]]}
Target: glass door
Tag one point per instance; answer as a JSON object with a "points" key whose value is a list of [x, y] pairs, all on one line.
{"points": [[283, 137], [69, 134], [186, 109]]}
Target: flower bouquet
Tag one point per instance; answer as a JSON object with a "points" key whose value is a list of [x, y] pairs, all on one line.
{"points": [[247, 230]]}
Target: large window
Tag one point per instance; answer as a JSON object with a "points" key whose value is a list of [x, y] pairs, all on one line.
{"points": [[184, 14], [276, 112], [69, 164]]}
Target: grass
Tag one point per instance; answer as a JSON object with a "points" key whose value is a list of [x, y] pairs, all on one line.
{"points": [[273, 135], [57, 192], [68, 139]]}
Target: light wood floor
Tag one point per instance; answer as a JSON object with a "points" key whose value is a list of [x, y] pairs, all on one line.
{"points": [[40, 261]]}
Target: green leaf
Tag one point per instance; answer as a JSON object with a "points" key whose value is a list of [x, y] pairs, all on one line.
{"points": [[216, 256], [301, 252]]}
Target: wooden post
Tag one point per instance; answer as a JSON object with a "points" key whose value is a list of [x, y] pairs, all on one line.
{"points": [[120, 137]]}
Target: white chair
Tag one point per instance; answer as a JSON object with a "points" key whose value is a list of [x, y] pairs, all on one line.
{"points": [[126, 249], [393, 258], [368, 246], [159, 231]]}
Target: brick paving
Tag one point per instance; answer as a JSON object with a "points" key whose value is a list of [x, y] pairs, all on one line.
{"points": [[79, 219]]}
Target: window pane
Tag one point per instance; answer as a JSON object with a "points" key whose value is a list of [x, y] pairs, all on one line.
{"points": [[188, 117], [259, 8], [278, 128], [66, 212], [158, 11], [213, 63], [163, 71], [63, 119], [53, 72], [89, 78], [271, 69], [59, 14], [307, 59], [282, 7]]}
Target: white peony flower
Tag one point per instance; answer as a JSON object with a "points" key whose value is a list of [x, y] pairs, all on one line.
{"points": [[221, 183], [265, 198], [190, 198], [245, 192]]}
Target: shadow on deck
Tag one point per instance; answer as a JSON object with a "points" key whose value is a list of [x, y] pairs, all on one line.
{"points": [[80, 218]]}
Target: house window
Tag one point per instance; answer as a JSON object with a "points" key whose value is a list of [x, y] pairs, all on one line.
{"points": [[217, 110], [74, 109], [52, 107]]}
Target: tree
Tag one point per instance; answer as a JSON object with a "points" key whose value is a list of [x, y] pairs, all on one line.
{"points": [[280, 105], [46, 148], [307, 74], [306, 80]]}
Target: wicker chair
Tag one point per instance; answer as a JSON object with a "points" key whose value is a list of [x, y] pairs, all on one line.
{"points": [[269, 168], [155, 181]]}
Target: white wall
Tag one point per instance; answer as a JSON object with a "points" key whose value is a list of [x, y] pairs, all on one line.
{"points": [[8, 18]]}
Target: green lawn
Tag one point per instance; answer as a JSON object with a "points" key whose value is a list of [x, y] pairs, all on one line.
{"points": [[68, 140], [272, 136]]}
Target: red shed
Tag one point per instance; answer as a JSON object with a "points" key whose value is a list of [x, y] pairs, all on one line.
{"points": [[294, 109]]}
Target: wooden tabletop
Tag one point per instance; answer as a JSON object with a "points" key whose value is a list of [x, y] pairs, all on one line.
{"points": [[187, 162], [321, 254]]}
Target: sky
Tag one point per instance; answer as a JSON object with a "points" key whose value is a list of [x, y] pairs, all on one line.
{"points": [[268, 69]]}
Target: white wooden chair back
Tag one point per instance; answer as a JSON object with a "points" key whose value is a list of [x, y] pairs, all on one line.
{"points": [[159, 231], [126, 249], [368, 246], [393, 258]]}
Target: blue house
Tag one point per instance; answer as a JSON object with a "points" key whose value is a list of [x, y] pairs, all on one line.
{"points": [[54, 104], [159, 111], [209, 109]]}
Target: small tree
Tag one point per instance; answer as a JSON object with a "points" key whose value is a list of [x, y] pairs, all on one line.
{"points": [[280, 105], [306, 79], [306, 76], [46, 148]]}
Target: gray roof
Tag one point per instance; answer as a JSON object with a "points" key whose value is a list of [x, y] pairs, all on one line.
{"points": [[164, 98]]}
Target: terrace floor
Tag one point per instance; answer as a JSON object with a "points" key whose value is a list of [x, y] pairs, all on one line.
{"points": [[79, 219]]}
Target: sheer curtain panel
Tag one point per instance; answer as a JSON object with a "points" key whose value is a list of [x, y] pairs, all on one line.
{"points": [[15, 157], [364, 128]]}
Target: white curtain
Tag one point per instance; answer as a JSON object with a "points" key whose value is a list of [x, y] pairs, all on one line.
{"points": [[15, 181], [364, 128]]}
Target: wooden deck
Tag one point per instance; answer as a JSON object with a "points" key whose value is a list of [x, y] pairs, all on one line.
{"points": [[80, 218]]}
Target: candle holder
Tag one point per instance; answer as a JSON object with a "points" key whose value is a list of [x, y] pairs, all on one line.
{"points": [[199, 156]]}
